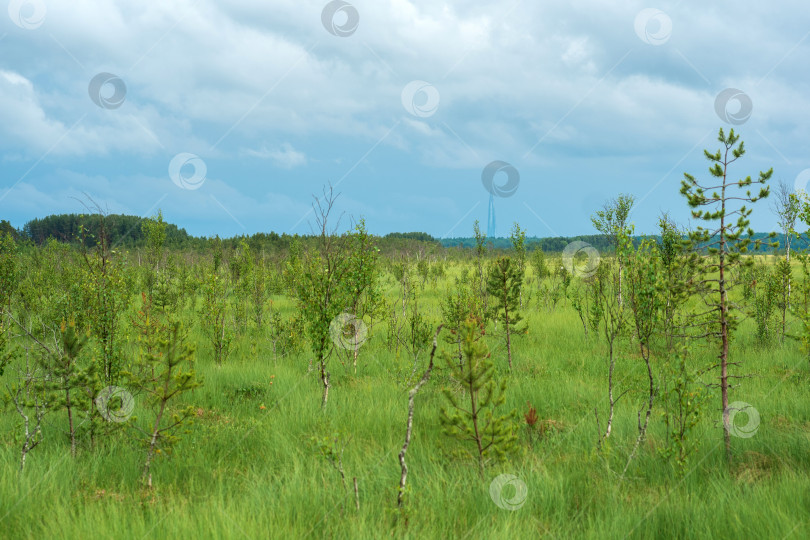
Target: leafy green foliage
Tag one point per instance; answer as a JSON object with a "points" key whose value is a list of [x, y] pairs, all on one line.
{"points": [[538, 261], [104, 295], [612, 219]]}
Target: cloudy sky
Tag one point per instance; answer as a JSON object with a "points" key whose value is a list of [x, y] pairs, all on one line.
{"points": [[229, 116]]}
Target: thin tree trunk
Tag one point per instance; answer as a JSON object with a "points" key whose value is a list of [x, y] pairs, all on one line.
{"points": [[325, 381], [70, 424], [724, 323], [25, 447], [155, 432], [610, 393], [787, 256], [474, 411], [508, 336], [642, 428], [409, 424]]}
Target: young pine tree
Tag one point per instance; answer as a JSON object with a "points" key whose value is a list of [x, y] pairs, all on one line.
{"points": [[480, 251], [476, 420], [66, 376], [154, 229], [724, 245], [503, 286], [172, 374], [518, 240], [460, 304]]}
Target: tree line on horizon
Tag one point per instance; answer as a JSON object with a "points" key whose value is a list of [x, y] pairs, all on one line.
{"points": [[126, 232]]}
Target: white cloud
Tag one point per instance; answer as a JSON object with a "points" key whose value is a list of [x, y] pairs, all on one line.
{"points": [[23, 121], [218, 79], [285, 156]]}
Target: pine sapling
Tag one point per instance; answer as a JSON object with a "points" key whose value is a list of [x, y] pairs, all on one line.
{"points": [[716, 202], [518, 240], [460, 304], [173, 366], [503, 286], [476, 420]]}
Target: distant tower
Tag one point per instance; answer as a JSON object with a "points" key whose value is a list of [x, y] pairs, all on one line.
{"points": [[506, 190], [491, 217]]}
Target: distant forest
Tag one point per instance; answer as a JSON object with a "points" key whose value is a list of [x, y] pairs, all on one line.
{"points": [[126, 232]]}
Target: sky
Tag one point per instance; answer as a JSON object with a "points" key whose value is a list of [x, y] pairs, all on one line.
{"points": [[232, 116]]}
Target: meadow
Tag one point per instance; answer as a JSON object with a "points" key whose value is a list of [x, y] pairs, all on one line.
{"points": [[261, 455]]}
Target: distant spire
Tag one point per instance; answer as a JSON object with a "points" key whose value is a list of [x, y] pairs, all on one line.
{"points": [[506, 190], [491, 217]]}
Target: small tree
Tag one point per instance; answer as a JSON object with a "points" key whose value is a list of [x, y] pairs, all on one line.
{"points": [[503, 285], [538, 261], [364, 272], [30, 401], [645, 300], [258, 292], [518, 240], [154, 229], [214, 315], [8, 273], [612, 318], [494, 436], [460, 304], [787, 207], [8, 284], [765, 301], [403, 274], [612, 221], [243, 272], [579, 301], [683, 404], [323, 284], [409, 424], [173, 366], [676, 275], [801, 308], [480, 251], [104, 294], [724, 244], [66, 375], [782, 278]]}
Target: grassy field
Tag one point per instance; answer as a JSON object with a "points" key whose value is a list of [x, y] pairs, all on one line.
{"points": [[246, 468]]}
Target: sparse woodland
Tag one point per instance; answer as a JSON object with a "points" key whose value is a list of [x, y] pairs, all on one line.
{"points": [[329, 389]]}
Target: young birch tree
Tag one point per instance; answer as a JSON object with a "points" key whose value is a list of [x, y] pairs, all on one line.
{"points": [[612, 221]]}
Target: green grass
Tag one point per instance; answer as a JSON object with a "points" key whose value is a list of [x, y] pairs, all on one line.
{"points": [[248, 472]]}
